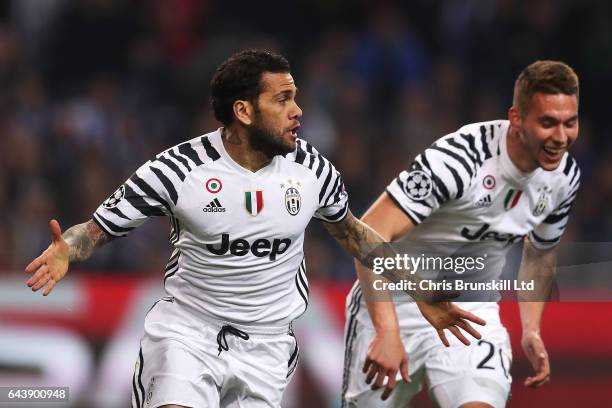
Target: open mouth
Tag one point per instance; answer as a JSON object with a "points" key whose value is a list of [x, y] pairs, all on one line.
{"points": [[293, 131], [554, 153]]}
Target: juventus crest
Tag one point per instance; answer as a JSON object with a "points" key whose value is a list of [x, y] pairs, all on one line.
{"points": [[543, 198], [293, 200]]}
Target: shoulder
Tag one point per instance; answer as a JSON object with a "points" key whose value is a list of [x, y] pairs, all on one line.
{"points": [[479, 141], [570, 169], [167, 172], [464, 151], [453, 161], [186, 156], [306, 156], [568, 173], [198, 150]]}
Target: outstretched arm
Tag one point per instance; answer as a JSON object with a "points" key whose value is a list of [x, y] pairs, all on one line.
{"points": [[83, 238], [539, 266], [76, 244]]}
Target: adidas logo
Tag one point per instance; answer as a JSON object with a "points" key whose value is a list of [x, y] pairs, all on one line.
{"points": [[214, 206], [484, 202]]}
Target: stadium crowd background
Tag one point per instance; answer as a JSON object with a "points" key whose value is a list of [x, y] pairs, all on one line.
{"points": [[92, 89]]}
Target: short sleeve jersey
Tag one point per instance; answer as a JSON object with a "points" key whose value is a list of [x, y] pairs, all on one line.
{"points": [[465, 188], [237, 235]]}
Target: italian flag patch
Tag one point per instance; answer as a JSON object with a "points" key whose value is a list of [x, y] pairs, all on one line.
{"points": [[512, 199], [253, 201]]}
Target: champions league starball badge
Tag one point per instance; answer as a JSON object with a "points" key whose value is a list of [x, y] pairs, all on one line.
{"points": [[418, 185], [114, 199]]}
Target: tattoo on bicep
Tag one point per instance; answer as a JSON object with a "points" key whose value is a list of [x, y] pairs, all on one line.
{"points": [[83, 238]]}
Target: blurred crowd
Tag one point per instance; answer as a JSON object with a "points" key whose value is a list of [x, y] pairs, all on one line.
{"points": [[91, 89]]}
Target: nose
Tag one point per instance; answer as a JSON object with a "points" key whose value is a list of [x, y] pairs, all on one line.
{"points": [[296, 112], [560, 135]]}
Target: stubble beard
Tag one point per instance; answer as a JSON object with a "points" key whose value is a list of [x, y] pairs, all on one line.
{"points": [[267, 140]]}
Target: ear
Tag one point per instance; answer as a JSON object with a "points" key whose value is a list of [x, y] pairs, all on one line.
{"points": [[514, 116], [244, 112]]}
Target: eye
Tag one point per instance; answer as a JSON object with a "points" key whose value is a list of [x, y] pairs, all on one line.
{"points": [[571, 123]]}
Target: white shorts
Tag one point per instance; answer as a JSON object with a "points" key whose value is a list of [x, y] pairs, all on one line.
{"points": [[192, 362], [454, 375]]}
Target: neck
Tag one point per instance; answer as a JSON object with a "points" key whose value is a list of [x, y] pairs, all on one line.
{"points": [[237, 144], [518, 153]]}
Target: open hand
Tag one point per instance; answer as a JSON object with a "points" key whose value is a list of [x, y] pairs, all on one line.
{"points": [[446, 315], [51, 266]]}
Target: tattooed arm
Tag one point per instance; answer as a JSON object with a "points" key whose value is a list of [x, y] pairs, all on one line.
{"points": [[356, 237], [82, 239], [366, 244], [76, 244]]}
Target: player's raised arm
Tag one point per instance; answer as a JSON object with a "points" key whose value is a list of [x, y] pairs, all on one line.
{"points": [[76, 244]]}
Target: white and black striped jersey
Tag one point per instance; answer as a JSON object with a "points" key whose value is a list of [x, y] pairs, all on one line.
{"points": [[465, 188], [477, 193], [237, 235]]}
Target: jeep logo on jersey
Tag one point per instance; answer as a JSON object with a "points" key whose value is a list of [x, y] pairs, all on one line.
{"points": [[260, 247], [114, 199], [484, 234], [418, 185], [293, 200], [253, 201]]}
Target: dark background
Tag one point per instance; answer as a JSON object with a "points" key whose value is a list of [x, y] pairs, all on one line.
{"points": [[92, 89]]}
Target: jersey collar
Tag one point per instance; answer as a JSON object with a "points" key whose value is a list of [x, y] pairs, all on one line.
{"points": [[217, 142]]}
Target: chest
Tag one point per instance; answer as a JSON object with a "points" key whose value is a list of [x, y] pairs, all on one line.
{"points": [[218, 201], [496, 207]]}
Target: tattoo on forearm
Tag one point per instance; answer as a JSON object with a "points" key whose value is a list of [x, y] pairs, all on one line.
{"points": [[359, 239], [83, 239], [365, 244]]}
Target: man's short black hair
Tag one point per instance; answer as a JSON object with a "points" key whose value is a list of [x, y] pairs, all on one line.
{"points": [[239, 78]]}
